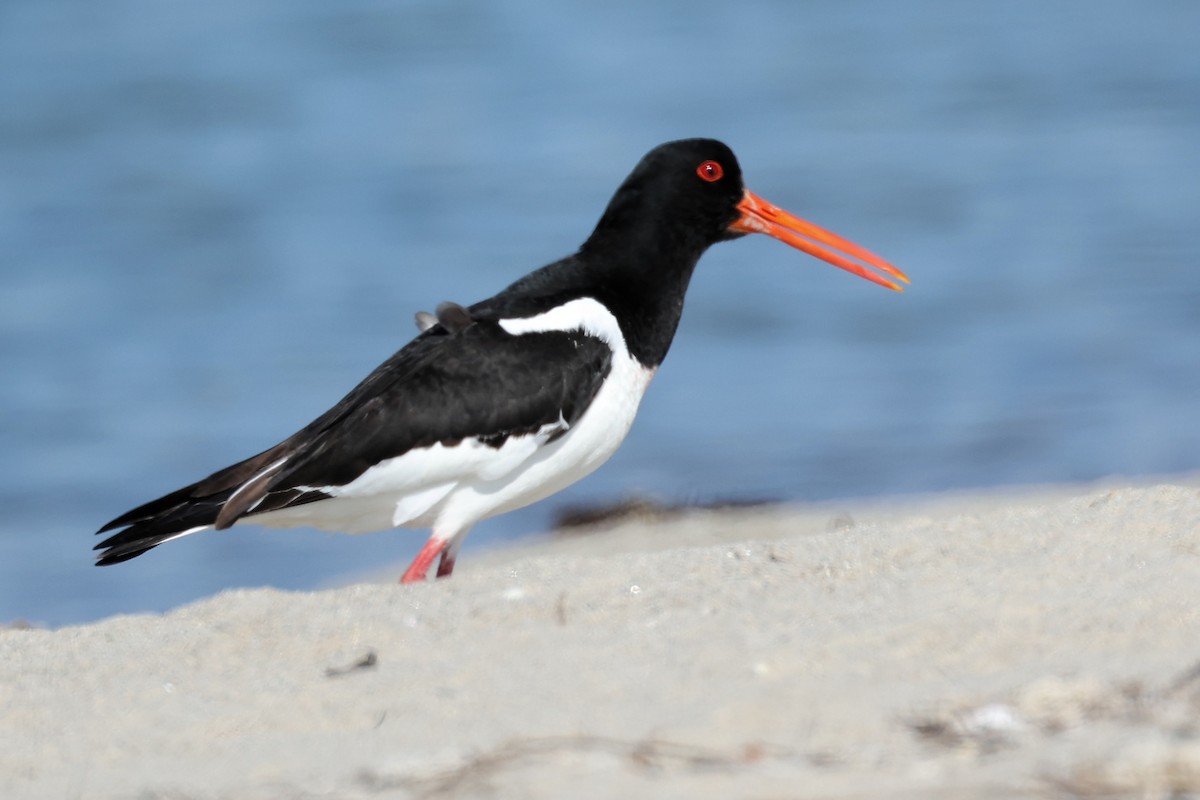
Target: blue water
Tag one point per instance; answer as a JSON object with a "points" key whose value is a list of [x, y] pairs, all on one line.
{"points": [[217, 217]]}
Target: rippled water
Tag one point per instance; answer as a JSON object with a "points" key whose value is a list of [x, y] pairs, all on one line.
{"points": [[217, 217]]}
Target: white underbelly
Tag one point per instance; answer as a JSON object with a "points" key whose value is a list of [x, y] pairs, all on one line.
{"points": [[577, 453]]}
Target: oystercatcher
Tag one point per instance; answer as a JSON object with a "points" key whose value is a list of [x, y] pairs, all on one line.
{"points": [[502, 403]]}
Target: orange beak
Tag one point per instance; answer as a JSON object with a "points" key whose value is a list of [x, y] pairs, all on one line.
{"points": [[759, 216]]}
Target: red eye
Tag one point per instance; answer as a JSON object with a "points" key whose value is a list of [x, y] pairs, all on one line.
{"points": [[710, 171]]}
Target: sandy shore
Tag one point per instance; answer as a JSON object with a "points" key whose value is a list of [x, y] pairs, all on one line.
{"points": [[1031, 644]]}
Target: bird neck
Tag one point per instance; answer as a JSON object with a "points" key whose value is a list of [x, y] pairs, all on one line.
{"points": [[643, 283]]}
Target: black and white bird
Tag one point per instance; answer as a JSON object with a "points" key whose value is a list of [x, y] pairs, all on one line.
{"points": [[500, 404]]}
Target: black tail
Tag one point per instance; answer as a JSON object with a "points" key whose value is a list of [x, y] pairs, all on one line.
{"points": [[157, 521], [183, 511]]}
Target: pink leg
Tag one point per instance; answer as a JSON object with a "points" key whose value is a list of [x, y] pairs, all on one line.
{"points": [[420, 566], [446, 566]]}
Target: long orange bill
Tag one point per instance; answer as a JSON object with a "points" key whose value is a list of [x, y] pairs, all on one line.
{"points": [[759, 216]]}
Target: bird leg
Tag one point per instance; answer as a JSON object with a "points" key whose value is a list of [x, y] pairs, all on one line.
{"points": [[449, 556], [420, 566]]}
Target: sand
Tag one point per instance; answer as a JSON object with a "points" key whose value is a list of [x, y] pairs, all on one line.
{"points": [[1039, 643]]}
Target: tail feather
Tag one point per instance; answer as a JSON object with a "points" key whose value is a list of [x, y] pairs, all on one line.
{"points": [[189, 510], [147, 534]]}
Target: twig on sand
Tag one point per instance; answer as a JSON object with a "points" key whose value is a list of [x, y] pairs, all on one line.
{"points": [[366, 662], [651, 754]]}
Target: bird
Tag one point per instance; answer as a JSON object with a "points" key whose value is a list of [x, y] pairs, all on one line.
{"points": [[502, 403]]}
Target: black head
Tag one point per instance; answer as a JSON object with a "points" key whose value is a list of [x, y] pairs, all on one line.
{"points": [[681, 198], [684, 193]]}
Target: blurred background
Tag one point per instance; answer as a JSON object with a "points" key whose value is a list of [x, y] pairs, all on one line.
{"points": [[217, 217]]}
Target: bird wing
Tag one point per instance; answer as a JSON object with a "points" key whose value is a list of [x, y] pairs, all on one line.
{"points": [[445, 386], [480, 382]]}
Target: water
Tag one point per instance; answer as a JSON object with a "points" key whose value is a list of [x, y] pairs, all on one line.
{"points": [[216, 218]]}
